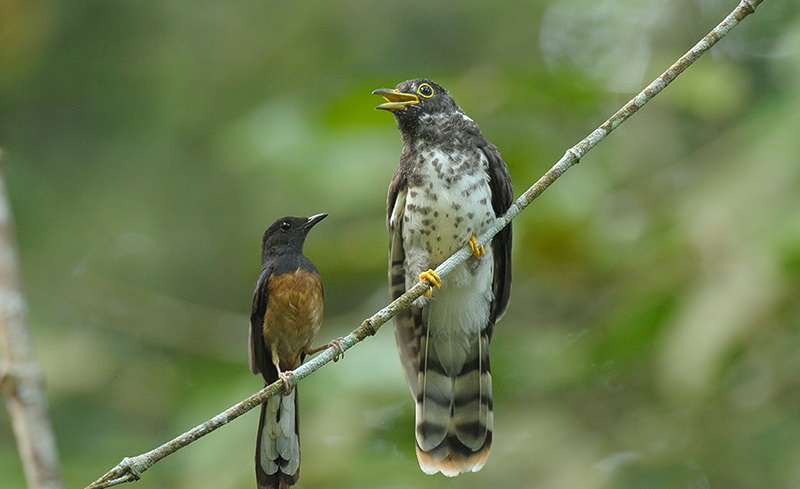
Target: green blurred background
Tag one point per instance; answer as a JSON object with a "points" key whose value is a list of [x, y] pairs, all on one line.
{"points": [[653, 339]]}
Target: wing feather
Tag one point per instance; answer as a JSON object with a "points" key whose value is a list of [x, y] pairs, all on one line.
{"points": [[408, 323], [502, 197], [259, 358]]}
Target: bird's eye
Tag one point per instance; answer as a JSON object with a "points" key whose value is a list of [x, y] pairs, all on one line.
{"points": [[425, 90], [286, 225]]}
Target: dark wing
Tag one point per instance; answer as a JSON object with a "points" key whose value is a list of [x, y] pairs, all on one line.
{"points": [[407, 323], [259, 357], [502, 197]]}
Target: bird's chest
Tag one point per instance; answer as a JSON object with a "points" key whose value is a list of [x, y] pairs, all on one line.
{"points": [[293, 315], [447, 201]]}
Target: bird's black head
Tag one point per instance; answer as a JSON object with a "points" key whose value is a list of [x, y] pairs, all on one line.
{"points": [[412, 101], [287, 234]]}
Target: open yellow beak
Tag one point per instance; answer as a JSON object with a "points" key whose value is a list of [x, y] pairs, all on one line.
{"points": [[395, 99]]}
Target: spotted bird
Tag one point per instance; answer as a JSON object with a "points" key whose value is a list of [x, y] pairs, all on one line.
{"points": [[450, 185]]}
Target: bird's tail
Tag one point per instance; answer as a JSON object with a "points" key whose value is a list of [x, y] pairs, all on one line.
{"points": [[278, 443], [454, 410]]}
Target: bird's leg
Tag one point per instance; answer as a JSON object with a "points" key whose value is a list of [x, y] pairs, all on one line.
{"points": [[477, 250], [337, 343], [284, 376], [433, 278]]}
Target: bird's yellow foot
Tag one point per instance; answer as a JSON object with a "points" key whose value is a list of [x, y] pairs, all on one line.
{"points": [[477, 250], [433, 278]]}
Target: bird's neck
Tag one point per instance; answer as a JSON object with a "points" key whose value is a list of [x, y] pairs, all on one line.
{"points": [[286, 254], [432, 129]]}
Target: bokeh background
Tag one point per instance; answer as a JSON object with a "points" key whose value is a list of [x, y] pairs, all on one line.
{"points": [[653, 339]]}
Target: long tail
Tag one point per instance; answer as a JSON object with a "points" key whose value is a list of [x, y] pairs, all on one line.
{"points": [[278, 443], [454, 410]]}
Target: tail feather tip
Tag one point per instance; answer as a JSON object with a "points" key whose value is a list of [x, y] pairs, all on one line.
{"points": [[451, 464]]}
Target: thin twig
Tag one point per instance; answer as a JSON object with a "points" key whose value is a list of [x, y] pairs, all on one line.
{"points": [[131, 468], [575, 153]]}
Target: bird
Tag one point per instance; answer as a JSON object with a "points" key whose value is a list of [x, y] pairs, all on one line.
{"points": [[450, 186], [285, 318]]}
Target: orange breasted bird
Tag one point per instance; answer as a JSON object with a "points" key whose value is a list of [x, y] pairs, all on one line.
{"points": [[285, 318], [450, 185]]}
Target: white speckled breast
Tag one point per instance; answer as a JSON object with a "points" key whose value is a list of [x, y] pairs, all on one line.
{"points": [[448, 200]]}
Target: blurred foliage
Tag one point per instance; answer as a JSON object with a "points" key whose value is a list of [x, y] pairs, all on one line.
{"points": [[653, 338]]}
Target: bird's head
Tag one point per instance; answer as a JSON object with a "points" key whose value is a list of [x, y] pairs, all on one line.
{"points": [[288, 234], [412, 100]]}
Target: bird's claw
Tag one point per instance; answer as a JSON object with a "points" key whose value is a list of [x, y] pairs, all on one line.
{"points": [[477, 250], [433, 278], [285, 377], [337, 344]]}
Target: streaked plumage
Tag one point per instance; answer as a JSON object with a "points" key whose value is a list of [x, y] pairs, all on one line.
{"points": [[451, 183]]}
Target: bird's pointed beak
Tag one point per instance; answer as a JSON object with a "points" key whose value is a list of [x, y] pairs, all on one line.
{"points": [[395, 99], [314, 220]]}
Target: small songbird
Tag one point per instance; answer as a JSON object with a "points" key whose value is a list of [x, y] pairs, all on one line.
{"points": [[285, 318], [450, 185]]}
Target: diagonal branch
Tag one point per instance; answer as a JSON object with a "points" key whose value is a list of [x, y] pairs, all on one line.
{"points": [[130, 469]]}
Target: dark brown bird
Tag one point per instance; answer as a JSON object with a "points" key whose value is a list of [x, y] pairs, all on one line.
{"points": [[450, 185], [285, 319]]}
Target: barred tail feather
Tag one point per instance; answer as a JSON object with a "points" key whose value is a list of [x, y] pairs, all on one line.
{"points": [[452, 459], [278, 443], [454, 412]]}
